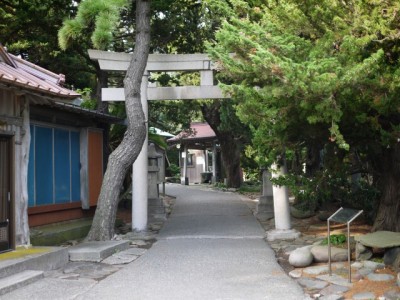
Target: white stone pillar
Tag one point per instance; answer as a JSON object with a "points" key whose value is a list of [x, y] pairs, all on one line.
{"points": [[281, 209], [265, 207], [205, 161], [140, 170], [184, 178], [214, 163]]}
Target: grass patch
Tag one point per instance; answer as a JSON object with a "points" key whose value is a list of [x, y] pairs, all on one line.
{"points": [[335, 239]]}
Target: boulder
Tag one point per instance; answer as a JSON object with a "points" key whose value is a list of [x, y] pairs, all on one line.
{"points": [[362, 252], [320, 254], [391, 255], [380, 239], [301, 257]]}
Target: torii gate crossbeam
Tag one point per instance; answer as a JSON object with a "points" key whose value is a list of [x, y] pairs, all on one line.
{"points": [[112, 61]]}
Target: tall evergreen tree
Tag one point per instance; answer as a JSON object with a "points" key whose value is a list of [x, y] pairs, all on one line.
{"points": [[320, 74]]}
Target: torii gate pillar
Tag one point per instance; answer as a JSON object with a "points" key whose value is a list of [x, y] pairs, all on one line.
{"points": [[139, 172]]}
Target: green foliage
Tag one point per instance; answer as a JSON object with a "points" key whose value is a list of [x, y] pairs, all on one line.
{"points": [[335, 239], [87, 102], [99, 18], [174, 170], [157, 139], [312, 193], [321, 76], [250, 187], [305, 74], [220, 185], [29, 29]]}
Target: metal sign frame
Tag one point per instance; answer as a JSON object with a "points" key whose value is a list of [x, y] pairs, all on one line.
{"points": [[342, 215]]}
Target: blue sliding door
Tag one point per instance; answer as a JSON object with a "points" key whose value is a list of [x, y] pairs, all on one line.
{"points": [[54, 166]]}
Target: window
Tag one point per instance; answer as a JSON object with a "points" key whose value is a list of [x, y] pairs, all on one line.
{"points": [[190, 159], [54, 166]]}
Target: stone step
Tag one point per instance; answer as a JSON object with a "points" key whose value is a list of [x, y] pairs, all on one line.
{"points": [[35, 258], [96, 251], [18, 280]]}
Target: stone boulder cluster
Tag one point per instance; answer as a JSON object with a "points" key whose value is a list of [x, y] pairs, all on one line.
{"points": [[305, 259], [389, 241], [305, 256]]}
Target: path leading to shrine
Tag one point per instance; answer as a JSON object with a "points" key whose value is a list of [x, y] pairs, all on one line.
{"points": [[211, 247]]}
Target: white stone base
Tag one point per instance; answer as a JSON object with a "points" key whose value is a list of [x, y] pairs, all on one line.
{"points": [[279, 234]]}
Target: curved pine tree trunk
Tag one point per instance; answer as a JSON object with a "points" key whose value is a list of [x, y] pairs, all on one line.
{"points": [[126, 153], [388, 215]]}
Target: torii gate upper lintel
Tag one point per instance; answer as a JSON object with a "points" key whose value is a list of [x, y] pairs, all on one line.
{"points": [[113, 61]]}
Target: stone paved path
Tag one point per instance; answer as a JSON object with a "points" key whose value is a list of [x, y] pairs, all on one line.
{"points": [[211, 247]]}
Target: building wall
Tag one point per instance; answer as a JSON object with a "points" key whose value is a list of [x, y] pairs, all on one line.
{"points": [[89, 176], [12, 110], [196, 165], [15, 122], [95, 164]]}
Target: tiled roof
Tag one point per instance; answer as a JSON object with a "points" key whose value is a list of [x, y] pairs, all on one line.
{"points": [[197, 131], [16, 72]]}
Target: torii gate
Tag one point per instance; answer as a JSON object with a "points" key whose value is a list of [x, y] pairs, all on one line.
{"points": [[112, 61]]}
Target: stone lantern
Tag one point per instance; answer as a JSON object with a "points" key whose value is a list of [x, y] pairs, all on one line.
{"points": [[155, 204]]}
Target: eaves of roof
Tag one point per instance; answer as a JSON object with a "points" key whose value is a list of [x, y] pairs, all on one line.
{"points": [[107, 118], [199, 131], [18, 73]]}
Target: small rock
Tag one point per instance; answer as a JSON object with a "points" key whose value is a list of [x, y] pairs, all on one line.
{"points": [[320, 253], [335, 279], [362, 252], [364, 271], [373, 265], [296, 273], [364, 296], [392, 295], [380, 277], [138, 243], [316, 270], [334, 289], [356, 277], [331, 297], [398, 279], [357, 265], [312, 284], [301, 257]]}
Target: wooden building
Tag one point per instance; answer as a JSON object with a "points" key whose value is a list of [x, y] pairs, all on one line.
{"points": [[199, 154], [51, 151]]}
